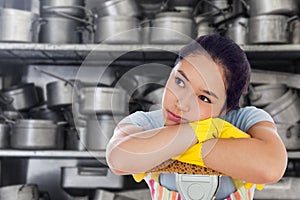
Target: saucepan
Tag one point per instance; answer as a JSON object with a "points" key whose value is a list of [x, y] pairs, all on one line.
{"points": [[20, 97], [22, 192], [37, 134], [71, 7], [290, 135], [4, 135], [118, 8]]}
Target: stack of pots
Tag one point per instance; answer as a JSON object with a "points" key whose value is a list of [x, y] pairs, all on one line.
{"points": [[270, 21], [283, 104], [64, 21], [117, 22]]}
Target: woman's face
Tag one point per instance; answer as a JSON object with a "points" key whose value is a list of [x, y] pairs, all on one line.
{"points": [[194, 91]]}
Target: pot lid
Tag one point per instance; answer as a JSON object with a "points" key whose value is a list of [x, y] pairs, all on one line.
{"points": [[35, 123]]}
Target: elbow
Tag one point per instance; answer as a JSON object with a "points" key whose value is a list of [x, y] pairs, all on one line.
{"points": [[114, 162]]}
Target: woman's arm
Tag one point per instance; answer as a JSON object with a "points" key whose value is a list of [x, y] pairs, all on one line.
{"points": [[132, 150], [260, 159]]}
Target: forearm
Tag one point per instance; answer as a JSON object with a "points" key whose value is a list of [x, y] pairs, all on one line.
{"points": [[261, 159], [138, 151]]}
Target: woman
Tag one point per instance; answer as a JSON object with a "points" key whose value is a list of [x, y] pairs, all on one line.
{"points": [[207, 81]]}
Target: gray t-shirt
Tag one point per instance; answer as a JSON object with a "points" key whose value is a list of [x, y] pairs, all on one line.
{"points": [[242, 118]]}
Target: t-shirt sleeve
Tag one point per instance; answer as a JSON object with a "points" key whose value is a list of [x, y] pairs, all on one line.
{"points": [[146, 120], [245, 118]]}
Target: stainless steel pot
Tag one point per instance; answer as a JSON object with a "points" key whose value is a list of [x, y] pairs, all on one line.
{"points": [[290, 135], [269, 29], [102, 100], [263, 7], [4, 135], [117, 30], [285, 109], [18, 25], [61, 30], [43, 112], [203, 26], [263, 95], [37, 134], [99, 131], [21, 97], [170, 29], [76, 138], [20, 192], [127, 8], [238, 30], [295, 37], [71, 7], [59, 94]]}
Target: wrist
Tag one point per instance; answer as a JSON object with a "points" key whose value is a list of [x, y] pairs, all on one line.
{"points": [[208, 146]]}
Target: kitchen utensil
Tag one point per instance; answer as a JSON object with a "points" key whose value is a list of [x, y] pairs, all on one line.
{"points": [[71, 7], [295, 37], [91, 178], [269, 29], [290, 135], [43, 112], [4, 135], [127, 8], [18, 25], [20, 97], [238, 30], [100, 129], [37, 134], [263, 95], [59, 94], [266, 7], [285, 109], [22, 192], [169, 28], [203, 26], [76, 138], [117, 30]]}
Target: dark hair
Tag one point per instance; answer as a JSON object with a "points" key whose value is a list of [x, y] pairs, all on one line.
{"points": [[228, 55]]}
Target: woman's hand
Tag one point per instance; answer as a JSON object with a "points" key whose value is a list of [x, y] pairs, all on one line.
{"points": [[260, 159]]}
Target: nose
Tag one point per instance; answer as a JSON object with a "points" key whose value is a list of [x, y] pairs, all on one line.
{"points": [[183, 103]]}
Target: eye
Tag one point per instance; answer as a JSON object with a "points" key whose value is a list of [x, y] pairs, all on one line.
{"points": [[179, 82], [204, 98]]}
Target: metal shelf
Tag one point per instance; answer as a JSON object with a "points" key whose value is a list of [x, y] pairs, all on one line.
{"points": [[36, 53], [52, 154], [294, 154]]}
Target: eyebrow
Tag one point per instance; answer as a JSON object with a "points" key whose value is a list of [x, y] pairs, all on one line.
{"points": [[210, 93]]}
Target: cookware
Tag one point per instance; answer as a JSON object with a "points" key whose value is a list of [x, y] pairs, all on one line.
{"points": [[295, 37], [4, 135], [285, 109], [154, 94], [103, 99], [91, 178], [37, 134], [22, 192], [100, 129], [269, 29], [76, 138], [71, 7], [59, 94], [203, 26], [18, 25], [238, 30], [118, 8], [263, 95], [290, 135], [169, 28], [263, 7], [43, 112], [117, 30], [20, 97]]}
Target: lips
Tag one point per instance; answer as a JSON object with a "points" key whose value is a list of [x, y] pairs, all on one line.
{"points": [[173, 117]]}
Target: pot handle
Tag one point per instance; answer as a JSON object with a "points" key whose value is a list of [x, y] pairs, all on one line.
{"points": [[62, 14], [253, 94], [289, 131], [289, 21]]}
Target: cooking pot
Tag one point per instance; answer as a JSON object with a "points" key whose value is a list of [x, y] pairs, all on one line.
{"points": [[290, 135], [37, 134], [266, 7], [100, 129], [269, 29], [71, 7], [102, 100], [171, 29], [4, 135], [18, 25], [59, 94], [127, 8], [117, 30], [285, 109], [43, 112], [263, 95], [238, 30], [20, 97], [203, 26], [295, 37], [20, 192], [76, 138]]}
